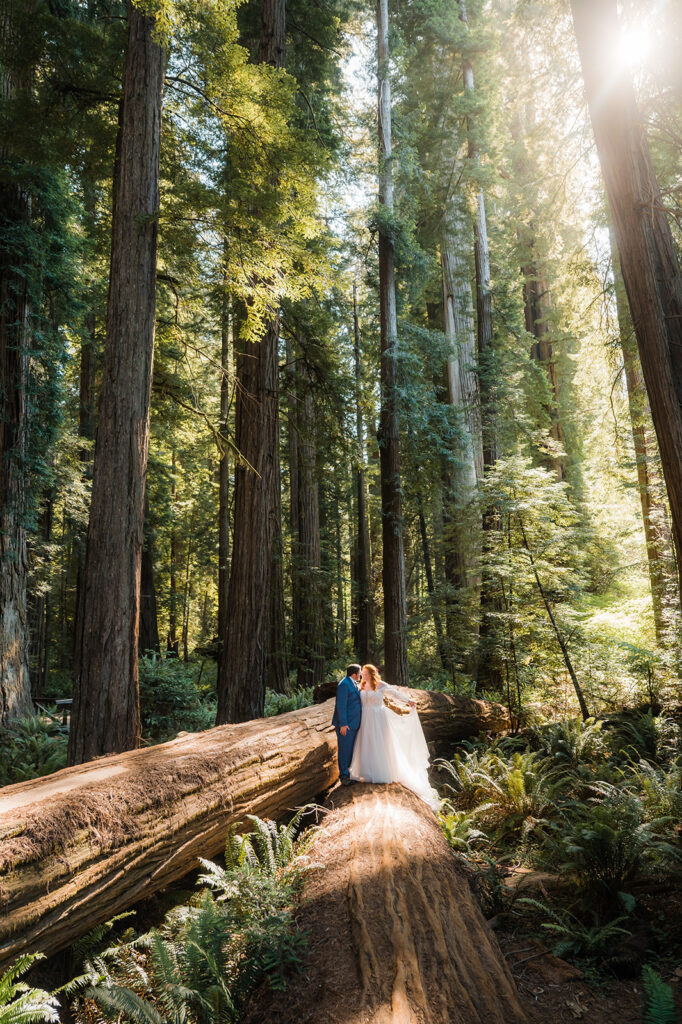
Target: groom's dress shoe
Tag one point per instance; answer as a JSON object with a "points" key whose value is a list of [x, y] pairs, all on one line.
{"points": [[346, 782]]}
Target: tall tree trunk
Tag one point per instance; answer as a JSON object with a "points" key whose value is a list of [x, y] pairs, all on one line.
{"points": [[659, 542], [106, 712], [363, 624], [292, 444], [395, 611], [311, 664], [249, 620], [149, 622], [277, 672], [430, 586], [649, 261], [172, 642], [15, 313], [224, 475]]}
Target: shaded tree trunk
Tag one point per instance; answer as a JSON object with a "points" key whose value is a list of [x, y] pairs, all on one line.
{"points": [[224, 475], [106, 714], [363, 618], [395, 611], [430, 586], [649, 261], [172, 642], [149, 623], [15, 341], [251, 615], [311, 664], [659, 542]]}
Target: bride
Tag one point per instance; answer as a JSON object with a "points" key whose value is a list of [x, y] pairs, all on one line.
{"points": [[390, 747]]}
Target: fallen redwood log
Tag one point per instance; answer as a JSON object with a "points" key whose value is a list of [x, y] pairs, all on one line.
{"points": [[394, 932], [89, 841]]}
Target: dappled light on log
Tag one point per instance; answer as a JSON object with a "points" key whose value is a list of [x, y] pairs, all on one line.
{"points": [[395, 933], [90, 841]]}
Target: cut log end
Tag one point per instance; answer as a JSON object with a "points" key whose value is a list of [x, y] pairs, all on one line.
{"points": [[395, 933]]}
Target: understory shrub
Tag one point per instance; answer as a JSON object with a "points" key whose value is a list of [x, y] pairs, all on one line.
{"points": [[31, 747], [170, 701], [201, 964], [279, 703]]}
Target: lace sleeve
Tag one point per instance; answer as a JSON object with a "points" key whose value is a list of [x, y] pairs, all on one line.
{"points": [[394, 693]]}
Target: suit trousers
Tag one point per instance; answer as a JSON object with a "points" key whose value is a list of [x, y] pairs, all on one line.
{"points": [[345, 754]]}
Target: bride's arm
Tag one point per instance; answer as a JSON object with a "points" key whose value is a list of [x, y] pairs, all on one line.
{"points": [[393, 691]]}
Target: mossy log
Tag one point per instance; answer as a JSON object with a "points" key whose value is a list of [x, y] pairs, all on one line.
{"points": [[395, 934], [90, 841]]}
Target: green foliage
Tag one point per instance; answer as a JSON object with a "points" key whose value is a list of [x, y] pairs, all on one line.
{"points": [[201, 964], [279, 703], [21, 1004], [605, 843], [659, 1000], [573, 937], [31, 747], [170, 701]]}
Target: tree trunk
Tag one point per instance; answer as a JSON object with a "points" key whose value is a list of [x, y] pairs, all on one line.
{"points": [[396, 933], [277, 671], [172, 642], [311, 663], [292, 444], [659, 542], [224, 475], [363, 619], [15, 343], [649, 261], [149, 623], [106, 714], [395, 612], [430, 586], [85, 843], [251, 614]]}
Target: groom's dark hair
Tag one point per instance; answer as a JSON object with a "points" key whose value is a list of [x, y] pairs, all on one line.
{"points": [[352, 669]]}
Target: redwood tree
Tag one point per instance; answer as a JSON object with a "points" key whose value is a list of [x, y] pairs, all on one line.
{"points": [[106, 714], [649, 263], [15, 312], [395, 610]]}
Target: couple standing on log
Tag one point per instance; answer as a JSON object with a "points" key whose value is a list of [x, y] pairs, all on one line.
{"points": [[375, 743]]}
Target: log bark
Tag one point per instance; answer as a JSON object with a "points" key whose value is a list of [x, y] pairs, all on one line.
{"points": [[649, 261], [106, 712], [81, 845], [395, 933], [395, 602]]}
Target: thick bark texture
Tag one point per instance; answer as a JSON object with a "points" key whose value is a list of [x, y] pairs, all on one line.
{"points": [[395, 611], [149, 623], [308, 559], [242, 679], [224, 474], [15, 213], [659, 542], [396, 934], [254, 613], [649, 261], [364, 636], [83, 844], [106, 714]]}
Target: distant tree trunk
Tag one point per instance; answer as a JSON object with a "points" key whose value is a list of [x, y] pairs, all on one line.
{"points": [[277, 672], [363, 625], [106, 712], [659, 542], [249, 621], [428, 569], [172, 642], [395, 610], [224, 474], [649, 261], [186, 601], [149, 624], [311, 664], [292, 444], [40, 608], [15, 343]]}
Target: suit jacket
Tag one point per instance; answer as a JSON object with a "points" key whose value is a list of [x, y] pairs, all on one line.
{"points": [[348, 707]]}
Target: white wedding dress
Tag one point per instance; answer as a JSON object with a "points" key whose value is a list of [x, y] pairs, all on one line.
{"points": [[391, 747]]}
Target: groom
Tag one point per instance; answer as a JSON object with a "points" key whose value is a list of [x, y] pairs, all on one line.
{"points": [[346, 720]]}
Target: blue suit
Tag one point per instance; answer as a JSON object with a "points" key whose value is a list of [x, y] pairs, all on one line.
{"points": [[347, 711]]}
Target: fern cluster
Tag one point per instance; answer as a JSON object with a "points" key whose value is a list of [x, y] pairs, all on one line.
{"points": [[200, 966]]}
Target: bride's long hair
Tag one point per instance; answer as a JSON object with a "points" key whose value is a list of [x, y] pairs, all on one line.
{"points": [[374, 675]]}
